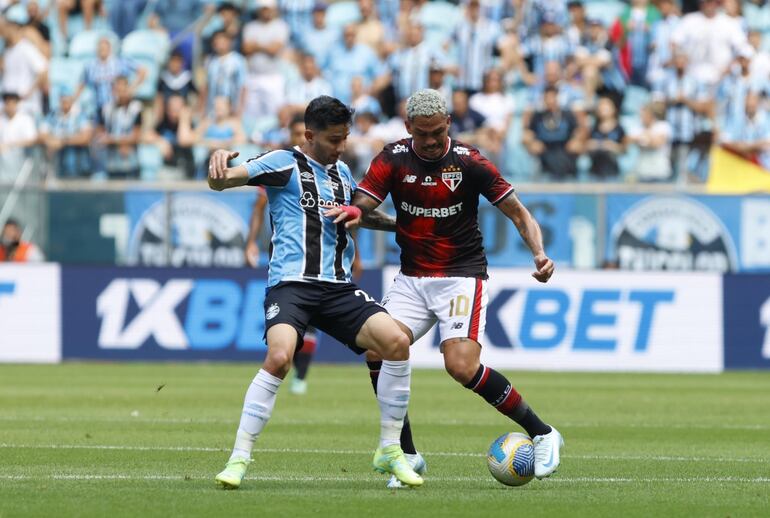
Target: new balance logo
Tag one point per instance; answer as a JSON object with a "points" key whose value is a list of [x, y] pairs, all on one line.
{"points": [[457, 325], [410, 178]]}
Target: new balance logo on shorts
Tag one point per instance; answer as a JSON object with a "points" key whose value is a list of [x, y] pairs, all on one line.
{"points": [[457, 325]]}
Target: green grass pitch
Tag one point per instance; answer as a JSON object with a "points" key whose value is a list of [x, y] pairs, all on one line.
{"points": [[102, 440]]}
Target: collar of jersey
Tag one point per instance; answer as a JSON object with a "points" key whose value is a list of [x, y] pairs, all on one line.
{"points": [[448, 147], [311, 159]]}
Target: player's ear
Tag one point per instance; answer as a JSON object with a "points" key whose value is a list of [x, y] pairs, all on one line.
{"points": [[408, 126], [309, 135]]}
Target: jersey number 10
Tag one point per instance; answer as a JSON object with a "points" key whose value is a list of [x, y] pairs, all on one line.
{"points": [[459, 306]]}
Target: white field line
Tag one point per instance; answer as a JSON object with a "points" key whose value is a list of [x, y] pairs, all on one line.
{"points": [[358, 478], [310, 422], [660, 458]]}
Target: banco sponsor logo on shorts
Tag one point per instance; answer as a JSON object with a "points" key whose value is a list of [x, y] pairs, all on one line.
{"points": [[432, 212]]}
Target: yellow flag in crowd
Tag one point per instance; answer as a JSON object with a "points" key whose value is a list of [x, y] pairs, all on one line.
{"points": [[731, 174]]}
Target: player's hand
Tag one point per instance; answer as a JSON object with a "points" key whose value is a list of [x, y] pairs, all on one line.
{"points": [[252, 254], [544, 266], [352, 218], [218, 163]]}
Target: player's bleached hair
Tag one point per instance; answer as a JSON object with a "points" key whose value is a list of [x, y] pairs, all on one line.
{"points": [[425, 103]]}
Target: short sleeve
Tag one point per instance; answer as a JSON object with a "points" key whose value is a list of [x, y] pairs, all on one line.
{"points": [[377, 181], [488, 179], [272, 169]]}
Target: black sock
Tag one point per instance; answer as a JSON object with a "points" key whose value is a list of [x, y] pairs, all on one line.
{"points": [[498, 392], [302, 363], [407, 442]]}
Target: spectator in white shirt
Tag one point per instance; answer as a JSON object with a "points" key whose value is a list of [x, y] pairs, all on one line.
{"points": [[24, 67], [308, 86], [497, 109], [709, 38], [17, 133], [653, 139], [264, 40], [760, 64]]}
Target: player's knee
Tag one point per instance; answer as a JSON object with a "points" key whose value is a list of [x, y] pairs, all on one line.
{"points": [[278, 362], [461, 369], [395, 346]]}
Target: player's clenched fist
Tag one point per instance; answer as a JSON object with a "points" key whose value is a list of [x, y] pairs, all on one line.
{"points": [[218, 163], [544, 266]]}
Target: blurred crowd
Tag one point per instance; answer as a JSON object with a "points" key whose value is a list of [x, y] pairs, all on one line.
{"points": [[551, 90]]}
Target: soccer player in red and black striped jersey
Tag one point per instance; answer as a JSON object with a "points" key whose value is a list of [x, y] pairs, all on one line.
{"points": [[435, 184]]}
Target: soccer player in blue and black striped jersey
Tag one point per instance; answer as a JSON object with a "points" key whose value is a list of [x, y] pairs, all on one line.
{"points": [[310, 283]]}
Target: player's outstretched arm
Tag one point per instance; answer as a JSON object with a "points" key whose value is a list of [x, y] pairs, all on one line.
{"points": [[222, 177], [530, 233], [357, 213], [378, 220]]}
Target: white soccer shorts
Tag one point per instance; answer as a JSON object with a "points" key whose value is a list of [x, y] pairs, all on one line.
{"points": [[458, 304]]}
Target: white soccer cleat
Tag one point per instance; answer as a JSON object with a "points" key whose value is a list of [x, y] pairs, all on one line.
{"points": [[298, 387], [547, 453], [418, 465]]}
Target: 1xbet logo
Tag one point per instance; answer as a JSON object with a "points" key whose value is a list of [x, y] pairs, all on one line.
{"points": [[181, 314]]}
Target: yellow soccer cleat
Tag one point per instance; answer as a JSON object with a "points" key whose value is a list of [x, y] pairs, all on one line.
{"points": [[232, 475], [391, 459]]}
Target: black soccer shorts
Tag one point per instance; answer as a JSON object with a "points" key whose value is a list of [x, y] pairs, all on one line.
{"points": [[337, 309]]}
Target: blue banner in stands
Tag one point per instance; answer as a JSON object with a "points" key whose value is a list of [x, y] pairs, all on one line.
{"points": [[190, 228], [685, 233]]}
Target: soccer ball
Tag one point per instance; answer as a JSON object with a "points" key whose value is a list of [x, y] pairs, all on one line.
{"points": [[511, 459]]}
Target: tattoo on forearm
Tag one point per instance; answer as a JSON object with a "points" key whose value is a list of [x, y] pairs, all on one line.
{"points": [[378, 220]]}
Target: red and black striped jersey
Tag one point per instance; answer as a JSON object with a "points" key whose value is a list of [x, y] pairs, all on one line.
{"points": [[436, 204]]}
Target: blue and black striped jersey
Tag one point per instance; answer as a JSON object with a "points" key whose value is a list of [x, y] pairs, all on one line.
{"points": [[306, 245]]}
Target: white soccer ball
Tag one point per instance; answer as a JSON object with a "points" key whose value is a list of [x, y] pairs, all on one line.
{"points": [[511, 459]]}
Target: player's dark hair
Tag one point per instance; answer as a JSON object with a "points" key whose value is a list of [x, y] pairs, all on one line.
{"points": [[325, 111], [11, 222]]}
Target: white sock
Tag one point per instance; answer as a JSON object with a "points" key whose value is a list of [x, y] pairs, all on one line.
{"points": [[257, 407], [393, 397]]}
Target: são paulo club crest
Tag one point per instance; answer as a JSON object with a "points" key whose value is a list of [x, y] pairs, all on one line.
{"points": [[451, 176]]}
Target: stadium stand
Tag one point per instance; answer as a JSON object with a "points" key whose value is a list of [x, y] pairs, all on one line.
{"points": [[597, 46]]}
